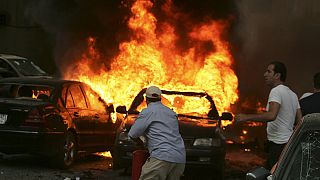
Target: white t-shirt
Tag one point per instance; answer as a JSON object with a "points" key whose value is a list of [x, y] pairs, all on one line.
{"points": [[305, 95], [280, 130]]}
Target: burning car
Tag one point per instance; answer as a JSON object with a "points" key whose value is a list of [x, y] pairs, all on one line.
{"points": [[200, 127], [300, 159], [16, 66], [53, 117]]}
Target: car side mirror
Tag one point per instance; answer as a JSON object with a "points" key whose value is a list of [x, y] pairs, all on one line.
{"points": [[110, 108], [258, 174], [213, 114], [121, 109], [226, 116]]}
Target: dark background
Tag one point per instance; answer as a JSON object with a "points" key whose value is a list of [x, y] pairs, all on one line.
{"points": [[53, 32]]}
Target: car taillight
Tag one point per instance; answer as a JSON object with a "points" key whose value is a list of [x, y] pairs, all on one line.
{"points": [[33, 118]]}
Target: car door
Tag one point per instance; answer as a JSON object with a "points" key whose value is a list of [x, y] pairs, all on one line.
{"points": [[104, 127], [81, 116], [303, 160]]}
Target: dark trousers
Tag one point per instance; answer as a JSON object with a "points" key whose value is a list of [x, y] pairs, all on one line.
{"points": [[274, 151]]}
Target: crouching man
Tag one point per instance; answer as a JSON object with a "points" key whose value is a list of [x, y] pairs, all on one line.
{"points": [[159, 124]]}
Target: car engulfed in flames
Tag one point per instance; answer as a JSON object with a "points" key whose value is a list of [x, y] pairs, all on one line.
{"points": [[200, 128]]}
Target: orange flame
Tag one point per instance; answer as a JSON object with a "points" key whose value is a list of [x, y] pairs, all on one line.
{"points": [[152, 58]]}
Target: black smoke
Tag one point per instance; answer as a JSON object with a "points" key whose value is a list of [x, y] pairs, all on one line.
{"points": [[71, 22], [261, 31], [281, 30]]}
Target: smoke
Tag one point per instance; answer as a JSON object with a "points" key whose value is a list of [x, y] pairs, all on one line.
{"points": [[72, 22], [282, 30], [261, 31]]}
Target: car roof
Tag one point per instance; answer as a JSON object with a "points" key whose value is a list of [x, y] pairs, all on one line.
{"points": [[137, 100], [36, 80], [185, 93], [10, 56], [175, 92]]}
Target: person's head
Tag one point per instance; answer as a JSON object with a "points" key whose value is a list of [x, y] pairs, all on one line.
{"points": [[316, 81], [153, 94], [275, 74]]}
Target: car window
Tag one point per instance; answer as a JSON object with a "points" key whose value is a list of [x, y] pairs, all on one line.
{"points": [[5, 90], [306, 159], [6, 70], [95, 100], [191, 105], [77, 96], [69, 100], [36, 92], [4, 64], [27, 67]]}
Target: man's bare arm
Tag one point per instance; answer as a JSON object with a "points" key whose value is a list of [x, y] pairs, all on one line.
{"points": [[298, 116], [262, 117]]}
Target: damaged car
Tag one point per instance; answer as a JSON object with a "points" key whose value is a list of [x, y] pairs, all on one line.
{"points": [[16, 66], [300, 159], [200, 128], [53, 118]]}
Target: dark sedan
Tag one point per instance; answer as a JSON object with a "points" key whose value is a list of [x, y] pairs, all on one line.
{"points": [[16, 66], [53, 117], [300, 159], [200, 127]]}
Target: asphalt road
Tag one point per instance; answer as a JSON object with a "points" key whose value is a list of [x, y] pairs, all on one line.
{"points": [[239, 160]]}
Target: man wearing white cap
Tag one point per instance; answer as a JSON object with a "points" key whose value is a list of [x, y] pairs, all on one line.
{"points": [[159, 124]]}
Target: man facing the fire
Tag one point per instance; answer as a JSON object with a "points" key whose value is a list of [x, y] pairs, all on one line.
{"points": [[282, 111], [159, 124]]}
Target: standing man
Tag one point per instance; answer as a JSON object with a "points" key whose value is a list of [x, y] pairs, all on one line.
{"points": [[166, 147], [311, 104], [283, 110]]}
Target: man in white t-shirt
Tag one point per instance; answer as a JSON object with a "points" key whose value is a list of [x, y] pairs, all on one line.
{"points": [[282, 112]]}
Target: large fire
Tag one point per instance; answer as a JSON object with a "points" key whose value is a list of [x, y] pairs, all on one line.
{"points": [[151, 57]]}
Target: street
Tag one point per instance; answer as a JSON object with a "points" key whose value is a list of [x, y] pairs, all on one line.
{"points": [[94, 166]]}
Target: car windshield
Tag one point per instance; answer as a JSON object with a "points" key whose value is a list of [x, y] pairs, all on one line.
{"points": [[27, 67], [183, 103], [22, 91]]}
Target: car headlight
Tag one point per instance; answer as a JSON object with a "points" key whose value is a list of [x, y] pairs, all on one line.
{"points": [[207, 142]]}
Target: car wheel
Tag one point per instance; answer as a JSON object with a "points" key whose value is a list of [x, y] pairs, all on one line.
{"points": [[68, 152]]}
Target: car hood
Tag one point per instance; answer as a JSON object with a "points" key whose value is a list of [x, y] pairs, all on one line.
{"points": [[190, 126]]}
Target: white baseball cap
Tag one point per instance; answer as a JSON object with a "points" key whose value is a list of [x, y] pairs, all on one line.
{"points": [[153, 92]]}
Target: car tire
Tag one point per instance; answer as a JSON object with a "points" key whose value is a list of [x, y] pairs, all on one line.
{"points": [[68, 152]]}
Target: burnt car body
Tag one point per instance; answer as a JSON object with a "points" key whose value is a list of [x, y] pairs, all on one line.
{"points": [[300, 159], [16, 66], [201, 132], [53, 117]]}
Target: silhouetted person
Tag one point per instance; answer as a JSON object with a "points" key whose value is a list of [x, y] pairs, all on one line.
{"points": [[311, 104]]}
